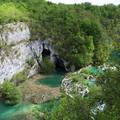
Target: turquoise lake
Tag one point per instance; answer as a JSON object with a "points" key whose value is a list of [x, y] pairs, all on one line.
{"points": [[7, 112], [53, 80], [10, 112]]}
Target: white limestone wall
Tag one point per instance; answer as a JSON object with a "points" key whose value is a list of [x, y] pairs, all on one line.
{"points": [[14, 51], [13, 33]]}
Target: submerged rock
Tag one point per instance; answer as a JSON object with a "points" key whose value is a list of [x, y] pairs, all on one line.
{"points": [[36, 93]]}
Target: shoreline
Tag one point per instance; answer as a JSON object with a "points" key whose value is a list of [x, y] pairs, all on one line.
{"points": [[37, 93]]}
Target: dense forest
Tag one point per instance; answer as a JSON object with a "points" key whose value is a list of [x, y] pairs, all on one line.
{"points": [[83, 34]]}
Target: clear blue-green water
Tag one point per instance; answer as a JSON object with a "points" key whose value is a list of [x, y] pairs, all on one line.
{"points": [[95, 70], [48, 106], [53, 80], [7, 112], [92, 82]]}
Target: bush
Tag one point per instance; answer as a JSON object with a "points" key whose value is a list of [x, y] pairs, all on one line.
{"points": [[10, 93], [20, 77], [71, 109], [30, 62], [78, 78], [47, 66]]}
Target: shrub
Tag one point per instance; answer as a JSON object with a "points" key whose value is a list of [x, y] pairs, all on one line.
{"points": [[30, 62], [20, 77], [47, 66], [10, 93], [78, 78]]}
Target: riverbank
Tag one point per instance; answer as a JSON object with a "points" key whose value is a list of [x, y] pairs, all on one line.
{"points": [[37, 93], [33, 96]]}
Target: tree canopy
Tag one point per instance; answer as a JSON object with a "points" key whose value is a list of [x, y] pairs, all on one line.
{"points": [[82, 34]]}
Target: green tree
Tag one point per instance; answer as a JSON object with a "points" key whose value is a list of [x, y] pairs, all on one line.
{"points": [[111, 89], [47, 66], [72, 109], [111, 95], [10, 93]]}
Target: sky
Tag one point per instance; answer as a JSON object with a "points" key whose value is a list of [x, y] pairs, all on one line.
{"points": [[94, 2]]}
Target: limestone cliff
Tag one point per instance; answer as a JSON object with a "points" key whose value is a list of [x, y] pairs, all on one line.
{"points": [[14, 50]]}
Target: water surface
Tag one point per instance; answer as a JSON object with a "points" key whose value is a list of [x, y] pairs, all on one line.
{"points": [[8, 112], [16, 112], [53, 80]]}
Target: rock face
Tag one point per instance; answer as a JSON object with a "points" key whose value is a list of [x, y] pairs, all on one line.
{"points": [[15, 50], [13, 33], [72, 88], [78, 83]]}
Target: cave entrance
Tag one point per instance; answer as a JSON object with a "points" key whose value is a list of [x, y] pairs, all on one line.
{"points": [[46, 52], [59, 64]]}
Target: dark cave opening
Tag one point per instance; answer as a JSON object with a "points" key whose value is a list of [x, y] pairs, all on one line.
{"points": [[46, 52], [59, 63]]}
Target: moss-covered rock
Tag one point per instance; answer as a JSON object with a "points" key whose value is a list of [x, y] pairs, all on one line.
{"points": [[81, 82]]}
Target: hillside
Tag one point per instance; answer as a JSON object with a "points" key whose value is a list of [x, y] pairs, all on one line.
{"points": [[60, 60]]}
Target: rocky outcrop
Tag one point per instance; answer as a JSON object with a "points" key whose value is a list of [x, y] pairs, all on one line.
{"points": [[13, 33], [71, 88], [80, 82], [15, 50]]}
